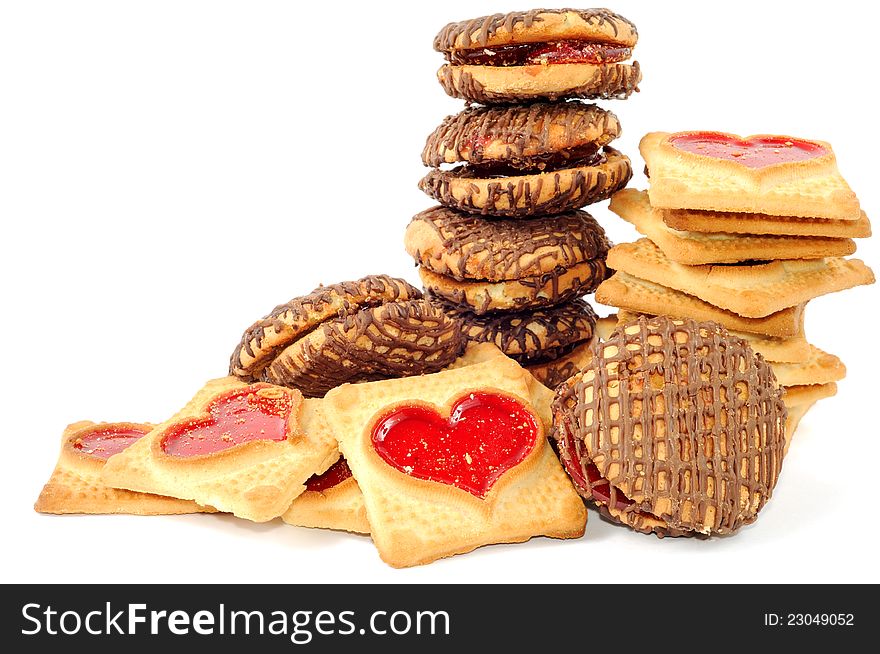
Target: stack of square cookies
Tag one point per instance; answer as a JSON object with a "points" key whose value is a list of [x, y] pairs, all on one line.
{"points": [[508, 253], [743, 232]]}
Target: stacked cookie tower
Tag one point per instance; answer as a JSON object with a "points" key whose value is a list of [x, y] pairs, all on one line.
{"points": [[508, 254], [743, 232]]}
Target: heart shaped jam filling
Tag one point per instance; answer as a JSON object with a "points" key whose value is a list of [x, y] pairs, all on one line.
{"points": [[258, 412], [752, 153], [105, 441], [333, 476], [485, 435]]}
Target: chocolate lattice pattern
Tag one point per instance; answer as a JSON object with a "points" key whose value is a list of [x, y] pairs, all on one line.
{"points": [[683, 420]]}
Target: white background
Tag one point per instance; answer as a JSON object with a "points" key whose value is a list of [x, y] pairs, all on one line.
{"points": [[170, 171]]}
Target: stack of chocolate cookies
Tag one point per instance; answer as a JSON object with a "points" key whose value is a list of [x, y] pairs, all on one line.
{"points": [[508, 253], [743, 232]]}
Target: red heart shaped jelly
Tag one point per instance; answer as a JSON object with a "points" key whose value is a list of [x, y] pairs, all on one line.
{"points": [[753, 153], [258, 412], [485, 435], [107, 440]]}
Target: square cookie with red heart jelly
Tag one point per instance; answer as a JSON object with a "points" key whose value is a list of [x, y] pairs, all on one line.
{"points": [[764, 174], [246, 449], [75, 485], [333, 499], [453, 460]]}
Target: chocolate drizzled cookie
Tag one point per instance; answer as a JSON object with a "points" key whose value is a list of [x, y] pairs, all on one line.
{"points": [[524, 137], [371, 328], [467, 247], [488, 265], [530, 337], [523, 160], [536, 25], [542, 53], [531, 194], [547, 289], [674, 427], [396, 339], [289, 321]]}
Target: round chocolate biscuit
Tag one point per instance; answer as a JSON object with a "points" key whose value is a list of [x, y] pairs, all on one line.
{"points": [[528, 336], [395, 339], [537, 25], [674, 427], [552, 192], [542, 53], [533, 136], [286, 323], [465, 246], [390, 331], [482, 297]]}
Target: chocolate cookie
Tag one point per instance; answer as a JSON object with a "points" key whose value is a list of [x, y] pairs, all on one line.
{"points": [[529, 337], [520, 160], [372, 328], [584, 182], [396, 339], [674, 427], [542, 53], [543, 290], [467, 247], [526, 138]]}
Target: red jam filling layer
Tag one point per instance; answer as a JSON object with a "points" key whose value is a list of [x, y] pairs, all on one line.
{"points": [[586, 155], [250, 414], [333, 476], [551, 52], [107, 441], [593, 484], [484, 436], [752, 153]]}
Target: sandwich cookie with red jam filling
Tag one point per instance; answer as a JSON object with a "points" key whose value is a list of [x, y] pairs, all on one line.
{"points": [[486, 265], [541, 158], [541, 53], [674, 427], [372, 328], [548, 342]]}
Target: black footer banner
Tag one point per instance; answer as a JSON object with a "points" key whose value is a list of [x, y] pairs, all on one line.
{"points": [[428, 618]]}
